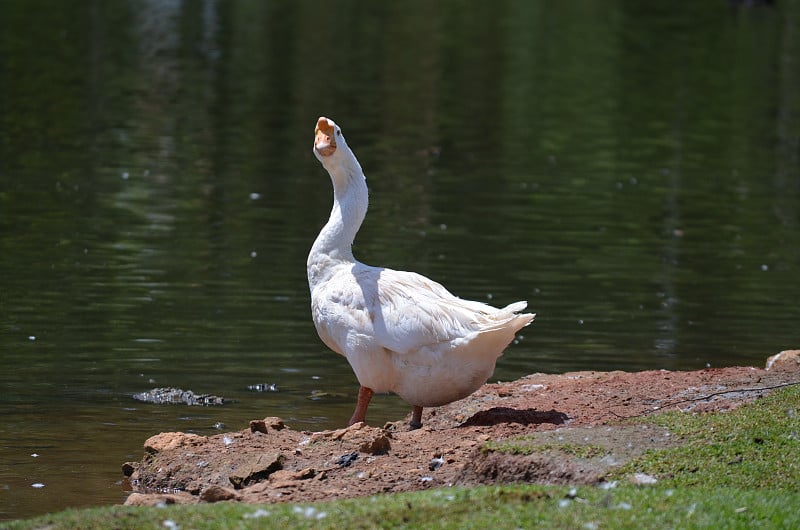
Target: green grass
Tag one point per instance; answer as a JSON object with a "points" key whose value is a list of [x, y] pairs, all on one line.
{"points": [[754, 446], [739, 469], [486, 507]]}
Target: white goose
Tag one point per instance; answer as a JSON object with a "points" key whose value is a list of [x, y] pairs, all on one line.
{"points": [[400, 331]]}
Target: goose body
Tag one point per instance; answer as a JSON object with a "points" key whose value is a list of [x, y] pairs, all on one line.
{"points": [[399, 331]]}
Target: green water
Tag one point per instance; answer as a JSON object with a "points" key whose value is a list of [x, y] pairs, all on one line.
{"points": [[631, 169]]}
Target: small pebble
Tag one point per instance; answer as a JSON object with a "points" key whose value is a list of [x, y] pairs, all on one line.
{"points": [[436, 463], [256, 514], [347, 460], [642, 479]]}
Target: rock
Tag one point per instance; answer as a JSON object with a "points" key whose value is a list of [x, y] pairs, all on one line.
{"points": [[435, 463], [285, 478], [378, 446], [346, 433], [166, 441], [129, 467], [303, 474], [785, 360], [347, 460], [266, 424], [255, 468], [643, 479], [306, 473], [219, 493], [159, 499], [368, 439], [287, 474]]}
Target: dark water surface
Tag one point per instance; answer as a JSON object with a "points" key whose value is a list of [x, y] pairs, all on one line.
{"points": [[629, 168]]}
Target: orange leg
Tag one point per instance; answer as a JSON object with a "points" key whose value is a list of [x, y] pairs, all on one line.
{"points": [[416, 418], [360, 414]]}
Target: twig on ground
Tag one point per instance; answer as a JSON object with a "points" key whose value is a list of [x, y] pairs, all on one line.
{"points": [[704, 398]]}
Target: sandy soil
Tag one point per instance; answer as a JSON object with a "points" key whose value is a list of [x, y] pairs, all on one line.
{"points": [[271, 462]]}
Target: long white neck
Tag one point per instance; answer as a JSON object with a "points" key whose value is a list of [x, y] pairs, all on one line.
{"points": [[334, 244]]}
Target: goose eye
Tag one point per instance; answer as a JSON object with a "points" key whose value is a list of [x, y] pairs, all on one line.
{"points": [[338, 133]]}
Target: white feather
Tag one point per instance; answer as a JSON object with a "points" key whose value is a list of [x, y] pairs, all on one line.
{"points": [[401, 332]]}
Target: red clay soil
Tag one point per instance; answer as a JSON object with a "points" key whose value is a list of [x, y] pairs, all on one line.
{"points": [[270, 462]]}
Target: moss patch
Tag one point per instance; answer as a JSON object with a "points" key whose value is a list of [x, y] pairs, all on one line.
{"points": [[526, 445]]}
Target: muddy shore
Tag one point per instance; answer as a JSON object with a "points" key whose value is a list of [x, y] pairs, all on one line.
{"points": [[270, 462]]}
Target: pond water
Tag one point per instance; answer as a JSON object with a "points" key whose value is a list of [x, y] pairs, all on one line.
{"points": [[632, 170]]}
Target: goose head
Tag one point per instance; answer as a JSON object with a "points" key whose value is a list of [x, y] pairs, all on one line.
{"points": [[329, 142], [332, 151]]}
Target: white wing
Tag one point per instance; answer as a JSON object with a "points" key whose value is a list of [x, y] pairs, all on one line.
{"points": [[366, 307]]}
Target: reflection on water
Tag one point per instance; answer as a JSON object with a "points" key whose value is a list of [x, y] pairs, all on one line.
{"points": [[630, 169]]}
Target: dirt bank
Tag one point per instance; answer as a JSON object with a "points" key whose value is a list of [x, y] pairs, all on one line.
{"points": [[573, 417]]}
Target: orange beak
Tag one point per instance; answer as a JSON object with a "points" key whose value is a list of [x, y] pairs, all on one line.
{"points": [[324, 141]]}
